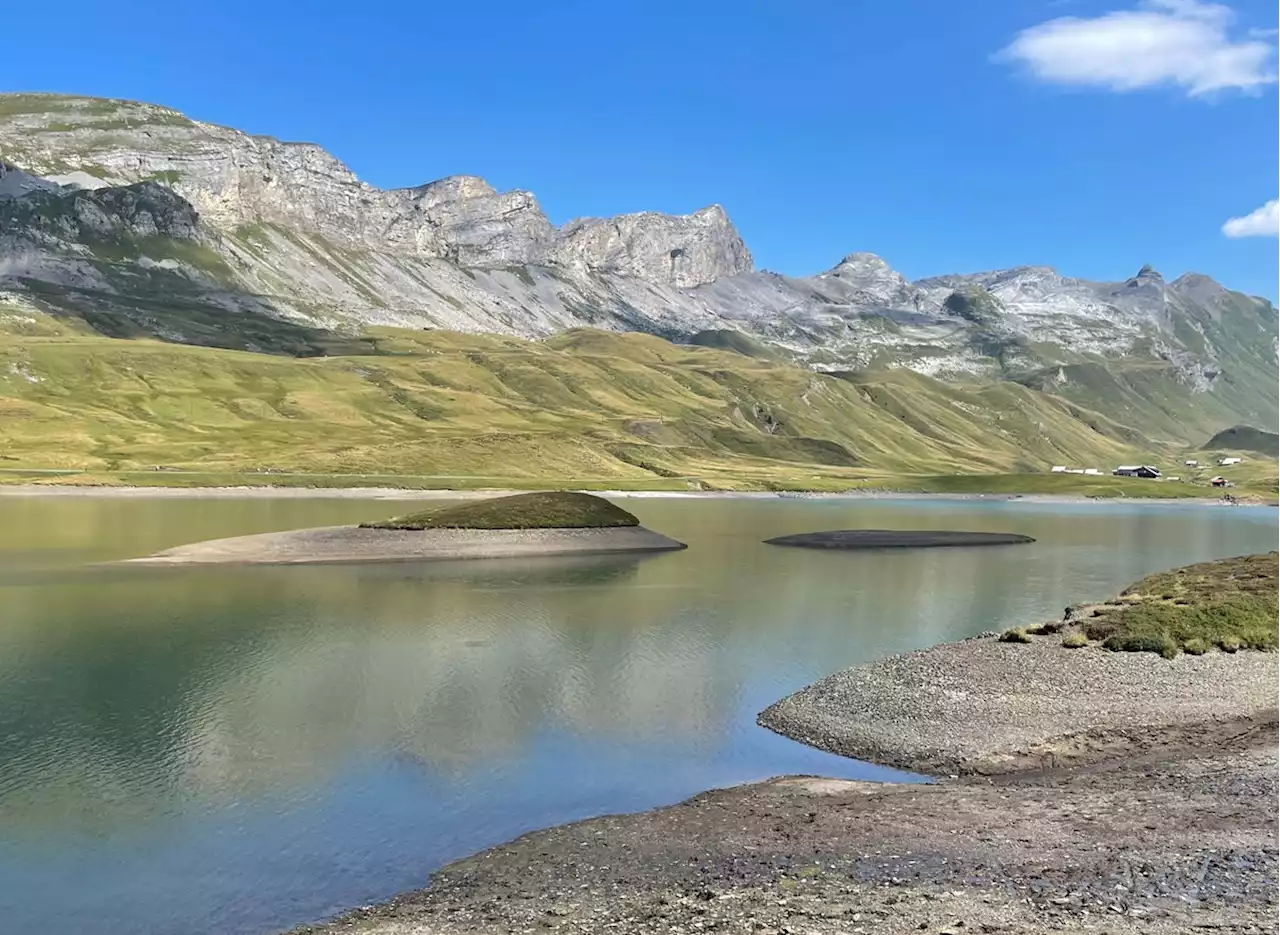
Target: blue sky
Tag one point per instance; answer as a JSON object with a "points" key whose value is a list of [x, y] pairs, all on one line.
{"points": [[1105, 135]]}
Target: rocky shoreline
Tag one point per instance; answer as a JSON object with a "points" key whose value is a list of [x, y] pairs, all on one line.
{"points": [[343, 544], [1088, 791], [1177, 834]]}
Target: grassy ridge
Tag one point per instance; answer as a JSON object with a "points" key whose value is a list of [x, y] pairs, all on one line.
{"points": [[585, 409]]}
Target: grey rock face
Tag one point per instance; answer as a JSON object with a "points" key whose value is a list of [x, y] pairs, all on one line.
{"points": [[76, 215], [462, 219], [686, 250], [234, 179]]}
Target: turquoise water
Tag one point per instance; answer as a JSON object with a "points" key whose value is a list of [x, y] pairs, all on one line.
{"points": [[239, 750]]}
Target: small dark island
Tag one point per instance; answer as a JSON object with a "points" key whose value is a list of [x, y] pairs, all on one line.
{"points": [[521, 525], [895, 539]]}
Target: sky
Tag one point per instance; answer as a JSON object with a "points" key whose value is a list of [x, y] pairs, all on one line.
{"points": [[1090, 135]]}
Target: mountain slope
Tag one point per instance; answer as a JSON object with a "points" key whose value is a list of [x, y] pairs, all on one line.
{"points": [[586, 404], [303, 234], [141, 221]]}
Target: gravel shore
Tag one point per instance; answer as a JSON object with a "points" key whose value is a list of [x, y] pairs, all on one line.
{"points": [[1090, 792], [982, 706], [1175, 837], [340, 544]]}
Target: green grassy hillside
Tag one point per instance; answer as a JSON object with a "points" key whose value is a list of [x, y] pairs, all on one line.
{"points": [[585, 405], [1245, 438]]}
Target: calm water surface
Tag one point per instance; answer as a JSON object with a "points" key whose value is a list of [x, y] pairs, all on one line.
{"points": [[216, 750]]}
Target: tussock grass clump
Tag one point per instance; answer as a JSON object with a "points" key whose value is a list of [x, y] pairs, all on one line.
{"points": [[1231, 604], [1015, 635], [1075, 641], [1163, 644], [1047, 628], [1196, 646], [557, 509]]}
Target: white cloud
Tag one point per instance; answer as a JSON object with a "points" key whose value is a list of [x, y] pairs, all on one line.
{"points": [[1265, 222], [1179, 43]]}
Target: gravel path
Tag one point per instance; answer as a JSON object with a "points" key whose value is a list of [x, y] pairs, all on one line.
{"points": [[982, 706], [330, 544]]}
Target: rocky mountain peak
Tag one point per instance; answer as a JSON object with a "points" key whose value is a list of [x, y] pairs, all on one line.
{"points": [[1199, 288], [866, 279], [860, 264], [684, 250], [451, 188], [1146, 286]]}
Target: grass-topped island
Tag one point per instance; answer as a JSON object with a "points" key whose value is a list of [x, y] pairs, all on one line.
{"points": [[522, 525]]}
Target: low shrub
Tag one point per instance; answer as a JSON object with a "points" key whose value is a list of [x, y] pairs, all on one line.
{"points": [[1048, 627], [1196, 646], [1100, 628], [1163, 644], [1015, 635], [1075, 640], [1229, 643]]}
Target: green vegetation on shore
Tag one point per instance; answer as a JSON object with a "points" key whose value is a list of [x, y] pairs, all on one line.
{"points": [[1230, 604], [542, 510]]}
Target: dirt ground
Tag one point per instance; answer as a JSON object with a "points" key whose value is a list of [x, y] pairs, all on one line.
{"points": [[1163, 831]]}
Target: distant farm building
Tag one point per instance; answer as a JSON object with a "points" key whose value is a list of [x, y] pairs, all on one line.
{"points": [[1191, 463], [1220, 482], [1226, 461], [1058, 469], [1061, 469], [1136, 470]]}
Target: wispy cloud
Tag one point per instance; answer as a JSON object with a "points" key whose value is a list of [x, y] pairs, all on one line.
{"points": [[1186, 44], [1265, 222]]}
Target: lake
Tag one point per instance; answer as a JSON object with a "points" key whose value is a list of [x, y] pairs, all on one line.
{"points": [[240, 750]]}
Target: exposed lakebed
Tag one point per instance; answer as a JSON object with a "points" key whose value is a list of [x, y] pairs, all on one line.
{"points": [[241, 749]]}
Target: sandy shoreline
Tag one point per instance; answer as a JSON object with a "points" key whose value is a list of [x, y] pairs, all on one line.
{"points": [[348, 544]]}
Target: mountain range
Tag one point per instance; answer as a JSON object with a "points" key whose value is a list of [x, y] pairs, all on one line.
{"points": [[137, 221]]}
